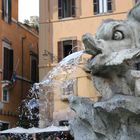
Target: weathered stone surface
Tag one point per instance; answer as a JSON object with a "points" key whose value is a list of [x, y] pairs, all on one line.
{"points": [[115, 119], [116, 52]]}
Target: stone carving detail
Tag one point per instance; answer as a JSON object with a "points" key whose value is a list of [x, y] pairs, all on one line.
{"points": [[115, 51]]}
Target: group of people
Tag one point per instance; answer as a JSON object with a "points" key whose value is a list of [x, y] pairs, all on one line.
{"points": [[51, 137], [60, 136]]}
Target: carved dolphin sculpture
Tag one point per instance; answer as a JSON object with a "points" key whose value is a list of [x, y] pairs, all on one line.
{"points": [[116, 115], [116, 52], [115, 42]]}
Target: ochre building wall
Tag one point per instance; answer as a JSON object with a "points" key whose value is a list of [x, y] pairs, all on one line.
{"points": [[23, 41]]}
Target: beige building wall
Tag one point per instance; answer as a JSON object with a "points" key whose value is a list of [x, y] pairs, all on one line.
{"points": [[53, 29]]}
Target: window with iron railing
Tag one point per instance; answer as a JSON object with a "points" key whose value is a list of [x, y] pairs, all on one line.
{"points": [[66, 8], [102, 6]]}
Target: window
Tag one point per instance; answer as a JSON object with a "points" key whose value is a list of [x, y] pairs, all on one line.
{"points": [[5, 94], [6, 10], [67, 89], [7, 62], [33, 68], [63, 123], [102, 6], [4, 126], [66, 8], [65, 48], [137, 66]]}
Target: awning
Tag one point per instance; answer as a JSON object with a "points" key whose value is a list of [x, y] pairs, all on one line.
{"points": [[20, 130]]}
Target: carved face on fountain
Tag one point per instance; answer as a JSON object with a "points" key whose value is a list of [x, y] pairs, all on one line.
{"points": [[114, 36], [115, 49]]}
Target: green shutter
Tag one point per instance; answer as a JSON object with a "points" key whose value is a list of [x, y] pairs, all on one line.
{"points": [[8, 64], [5, 64], [60, 9], [11, 62], [9, 11], [96, 6], [2, 9], [73, 8]]}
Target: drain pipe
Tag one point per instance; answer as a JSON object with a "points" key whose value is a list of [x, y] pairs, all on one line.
{"points": [[22, 62]]}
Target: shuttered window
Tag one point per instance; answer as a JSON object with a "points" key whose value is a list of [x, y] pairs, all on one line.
{"points": [[65, 48], [6, 10], [60, 9], [7, 64], [102, 6], [66, 8]]}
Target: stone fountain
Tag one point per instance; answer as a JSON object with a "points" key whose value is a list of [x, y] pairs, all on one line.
{"points": [[114, 68]]}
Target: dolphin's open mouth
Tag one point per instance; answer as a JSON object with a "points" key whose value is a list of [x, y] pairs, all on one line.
{"points": [[91, 45]]}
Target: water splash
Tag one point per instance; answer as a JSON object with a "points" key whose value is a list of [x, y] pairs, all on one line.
{"points": [[59, 78], [59, 75], [62, 72]]}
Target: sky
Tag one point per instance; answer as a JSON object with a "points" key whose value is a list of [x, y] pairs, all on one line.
{"points": [[28, 8]]}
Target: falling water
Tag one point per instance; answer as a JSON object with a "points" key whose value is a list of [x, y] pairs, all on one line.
{"points": [[61, 72], [58, 77], [62, 75]]}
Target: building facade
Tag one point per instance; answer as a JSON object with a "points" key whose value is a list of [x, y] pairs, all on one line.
{"points": [[18, 62], [62, 24]]}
